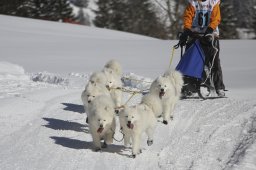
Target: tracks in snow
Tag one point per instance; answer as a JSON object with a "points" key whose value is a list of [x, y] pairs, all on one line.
{"points": [[211, 134]]}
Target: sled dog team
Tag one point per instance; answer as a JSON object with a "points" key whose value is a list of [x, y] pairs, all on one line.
{"points": [[102, 99]]}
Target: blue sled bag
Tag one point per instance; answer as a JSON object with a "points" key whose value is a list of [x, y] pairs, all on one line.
{"points": [[192, 62]]}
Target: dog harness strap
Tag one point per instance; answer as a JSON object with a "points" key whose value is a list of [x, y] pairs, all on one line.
{"points": [[114, 135]]}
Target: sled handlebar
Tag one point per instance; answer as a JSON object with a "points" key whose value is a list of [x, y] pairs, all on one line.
{"points": [[195, 35]]}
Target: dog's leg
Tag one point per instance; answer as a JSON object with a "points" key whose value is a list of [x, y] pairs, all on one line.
{"points": [[111, 132], [108, 138], [172, 109], [150, 133], [127, 138], [166, 113], [96, 142], [136, 144]]}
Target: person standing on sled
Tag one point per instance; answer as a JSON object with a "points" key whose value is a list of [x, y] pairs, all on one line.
{"points": [[200, 20]]}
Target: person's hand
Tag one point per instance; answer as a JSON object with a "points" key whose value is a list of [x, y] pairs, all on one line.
{"points": [[207, 39], [209, 30], [184, 37]]}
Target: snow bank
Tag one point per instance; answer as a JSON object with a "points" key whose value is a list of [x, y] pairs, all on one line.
{"points": [[135, 81], [9, 71], [49, 78]]}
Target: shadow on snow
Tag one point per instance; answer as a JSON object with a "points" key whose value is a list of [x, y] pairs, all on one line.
{"points": [[58, 124], [72, 143], [78, 144], [73, 107]]}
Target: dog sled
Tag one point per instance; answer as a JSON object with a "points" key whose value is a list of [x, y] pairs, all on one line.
{"points": [[196, 70]]}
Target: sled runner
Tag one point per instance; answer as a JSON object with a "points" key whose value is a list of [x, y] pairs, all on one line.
{"points": [[196, 70]]}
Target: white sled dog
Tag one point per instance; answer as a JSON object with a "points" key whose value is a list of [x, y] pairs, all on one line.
{"points": [[90, 92], [153, 102], [98, 78], [102, 123], [168, 88], [113, 71], [114, 66], [176, 79], [136, 120]]}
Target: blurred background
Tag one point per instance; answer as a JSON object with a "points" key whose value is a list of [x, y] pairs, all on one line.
{"points": [[155, 18]]}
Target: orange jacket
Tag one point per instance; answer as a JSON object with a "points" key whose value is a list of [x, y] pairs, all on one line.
{"points": [[189, 15]]}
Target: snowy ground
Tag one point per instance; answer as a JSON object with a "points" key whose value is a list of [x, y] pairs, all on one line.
{"points": [[44, 67]]}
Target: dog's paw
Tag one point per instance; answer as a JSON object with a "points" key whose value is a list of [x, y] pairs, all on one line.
{"points": [[104, 145], [149, 142], [133, 156], [165, 122], [97, 149]]}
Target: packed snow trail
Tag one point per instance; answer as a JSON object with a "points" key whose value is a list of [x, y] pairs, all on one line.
{"points": [[210, 134]]}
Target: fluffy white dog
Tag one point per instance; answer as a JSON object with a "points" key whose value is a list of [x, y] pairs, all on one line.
{"points": [[113, 71], [176, 79], [114, 84], [110, 78], [127, 132], [98, 78], [113, 66], [135, 121], [153, 102], [90, 92], [102, 123], [168, 88]]}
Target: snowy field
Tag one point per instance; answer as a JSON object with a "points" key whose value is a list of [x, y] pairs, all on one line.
{"points": [[44, 67]]}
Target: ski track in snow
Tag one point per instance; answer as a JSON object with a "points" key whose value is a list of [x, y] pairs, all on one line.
{"points": [[210, 134]]}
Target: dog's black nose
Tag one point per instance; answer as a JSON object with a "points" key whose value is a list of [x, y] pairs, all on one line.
{"points": [[89, 101], [101, 126], [129, 122], [162, 90]]}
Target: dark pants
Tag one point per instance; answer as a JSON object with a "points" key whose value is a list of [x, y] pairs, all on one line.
{"points": [[209, 52]]}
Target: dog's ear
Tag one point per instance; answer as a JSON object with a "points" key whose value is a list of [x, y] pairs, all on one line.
{"points": [[93, 83], [159, 79]]}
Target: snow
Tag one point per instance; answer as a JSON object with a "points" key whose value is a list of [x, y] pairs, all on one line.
{"points": [[49, 78], [12, 71], [44, 67]]}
